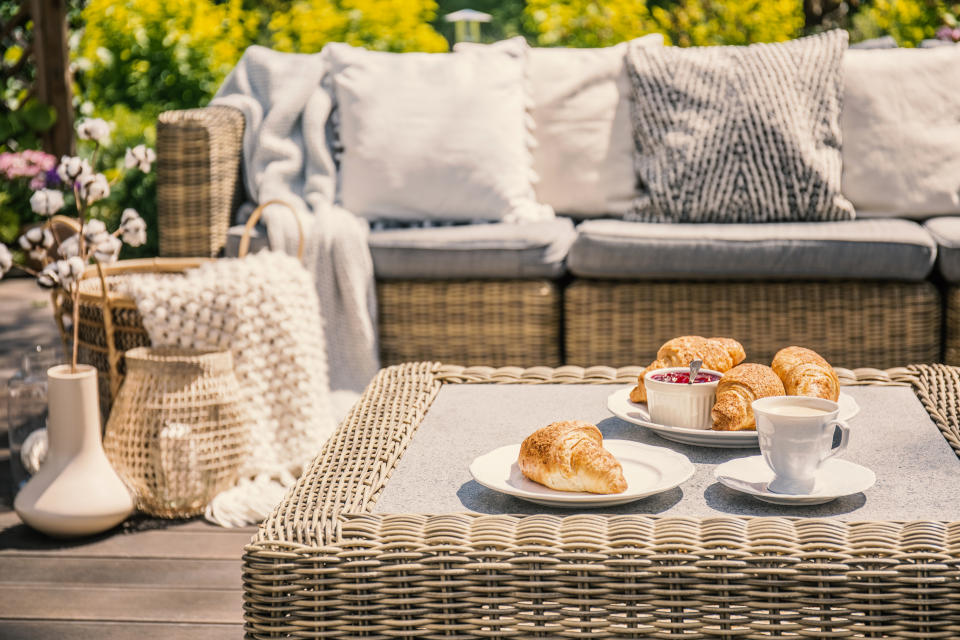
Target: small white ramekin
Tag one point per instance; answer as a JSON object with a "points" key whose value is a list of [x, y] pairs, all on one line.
{"points": [[679, 404]]}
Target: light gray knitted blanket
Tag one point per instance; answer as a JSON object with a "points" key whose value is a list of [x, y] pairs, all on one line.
{"points": [[286, 104]]}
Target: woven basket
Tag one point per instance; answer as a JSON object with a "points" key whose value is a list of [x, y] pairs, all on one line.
{"points": [[179, 429], [110, 323]]}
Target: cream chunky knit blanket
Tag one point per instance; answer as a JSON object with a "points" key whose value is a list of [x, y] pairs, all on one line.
{"points": [[263, 309]]}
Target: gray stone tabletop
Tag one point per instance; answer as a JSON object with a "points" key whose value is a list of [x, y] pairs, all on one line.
{"points": [[918, 475]]}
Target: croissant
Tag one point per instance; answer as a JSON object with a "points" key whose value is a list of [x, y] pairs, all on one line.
{"points": [[569, 456], [805, 373], [737, 390], [719, 354]]}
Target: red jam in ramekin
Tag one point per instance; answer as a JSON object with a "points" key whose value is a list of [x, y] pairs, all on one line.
{"points": [[683, 377]]}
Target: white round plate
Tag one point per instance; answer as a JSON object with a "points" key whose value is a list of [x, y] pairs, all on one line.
{"points": [[647, 469], [836, 478], [620, 405]]}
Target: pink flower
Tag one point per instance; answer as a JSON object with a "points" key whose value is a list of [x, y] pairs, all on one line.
{"points": [[26, 164]]}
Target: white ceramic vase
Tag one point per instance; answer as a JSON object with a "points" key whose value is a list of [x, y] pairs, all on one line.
{"points": [[76, 492]]}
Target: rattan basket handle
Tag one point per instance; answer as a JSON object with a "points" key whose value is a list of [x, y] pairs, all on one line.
{"points": [[255, 217]]}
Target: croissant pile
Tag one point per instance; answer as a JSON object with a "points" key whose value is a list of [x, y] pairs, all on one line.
{"points": [[795, 371], [569, 456]]}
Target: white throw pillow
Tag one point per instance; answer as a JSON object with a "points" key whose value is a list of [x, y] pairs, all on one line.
{"points": [[581, 111], [433, 135], [901, 132]]}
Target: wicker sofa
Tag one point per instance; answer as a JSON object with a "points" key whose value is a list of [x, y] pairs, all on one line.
{"points": [[606, 291]]}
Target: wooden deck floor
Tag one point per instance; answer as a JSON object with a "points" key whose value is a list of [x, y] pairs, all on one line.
{"points": [[137, 581]]}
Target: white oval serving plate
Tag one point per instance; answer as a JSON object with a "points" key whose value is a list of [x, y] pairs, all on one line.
{"points": [[620, 405]]}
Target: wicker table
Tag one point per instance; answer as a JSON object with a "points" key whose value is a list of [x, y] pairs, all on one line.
{"points": [[327, 564]]}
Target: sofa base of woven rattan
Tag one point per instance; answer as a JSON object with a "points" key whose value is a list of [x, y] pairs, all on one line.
{"points": [[951, 339], [485, 322], [326, 563], [851, 323]]}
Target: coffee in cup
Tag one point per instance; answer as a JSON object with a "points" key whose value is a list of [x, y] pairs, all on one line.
{"points": [[796, 435]]}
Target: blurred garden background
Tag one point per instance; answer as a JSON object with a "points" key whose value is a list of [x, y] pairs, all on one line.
{"points": [[129, 60]]}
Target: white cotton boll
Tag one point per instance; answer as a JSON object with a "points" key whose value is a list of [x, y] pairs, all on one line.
{"points": [[50, 276], [133, 228], [69, 271], [94, 232], [96, 129], [72, 168], [70, 247], [46, 202], [93, 187], [141, 156], [107, 250], [36, 242]]}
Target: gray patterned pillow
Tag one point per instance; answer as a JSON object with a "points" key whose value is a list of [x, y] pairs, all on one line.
{"points": [[739, 134]]}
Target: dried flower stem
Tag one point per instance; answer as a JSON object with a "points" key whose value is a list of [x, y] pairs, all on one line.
{"points": [[75, 291]]}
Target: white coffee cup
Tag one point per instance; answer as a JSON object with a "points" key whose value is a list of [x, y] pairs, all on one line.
{"points": [[796, 436]]}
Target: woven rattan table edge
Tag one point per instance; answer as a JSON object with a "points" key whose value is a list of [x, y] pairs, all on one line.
{"points": [[321, 532], [609, 576]]}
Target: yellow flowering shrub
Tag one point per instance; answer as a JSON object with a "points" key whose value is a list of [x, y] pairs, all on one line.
{"points": [[587, 23], [384, 25], [729, 22], [160, 54], [908, 21], [595, 23]]}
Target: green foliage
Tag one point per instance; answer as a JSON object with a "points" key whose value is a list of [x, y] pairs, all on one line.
{"points": [[154, 55], [21, 128], [908, 21], [384, 25]]}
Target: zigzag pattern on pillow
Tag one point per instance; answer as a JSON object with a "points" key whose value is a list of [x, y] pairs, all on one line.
{"points": [[739, 134]]}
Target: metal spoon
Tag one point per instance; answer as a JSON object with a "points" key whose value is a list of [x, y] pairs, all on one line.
{"points": [[694, 370]]}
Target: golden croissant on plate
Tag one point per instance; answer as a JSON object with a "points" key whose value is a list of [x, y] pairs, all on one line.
{"points": [[569, 456], [719, 354], [805, 373], [737, 390]]}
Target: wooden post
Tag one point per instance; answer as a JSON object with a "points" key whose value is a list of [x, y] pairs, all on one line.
{"points": [[53, 74]]}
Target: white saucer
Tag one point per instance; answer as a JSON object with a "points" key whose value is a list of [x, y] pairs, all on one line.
{"points": [[620, 405], [836, 478], [647, 469]]}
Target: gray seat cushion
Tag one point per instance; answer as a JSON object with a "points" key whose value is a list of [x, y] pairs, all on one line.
{"points": [[880, 249], [946, 232], [495, 250]]}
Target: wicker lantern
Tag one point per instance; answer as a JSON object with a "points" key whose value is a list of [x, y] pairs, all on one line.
{"points": [[179, 429]]}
